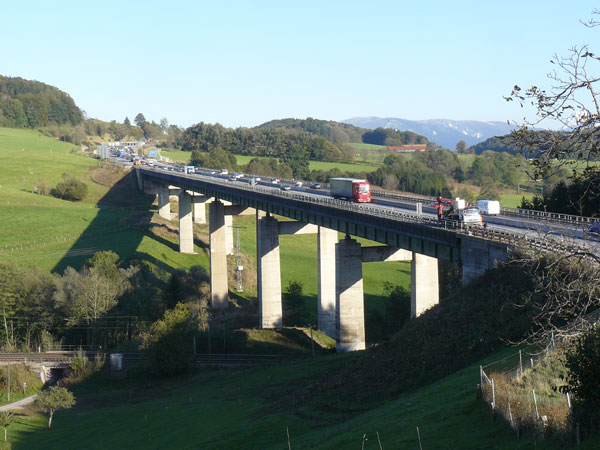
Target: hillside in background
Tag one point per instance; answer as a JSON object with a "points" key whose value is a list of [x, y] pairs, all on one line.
{"points": [[446, 133], [33, 104], [341, 133]]}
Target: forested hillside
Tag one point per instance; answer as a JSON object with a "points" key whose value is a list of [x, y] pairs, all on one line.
{"points": [[340, 133], [539, 141], [336, 132], [285, 144], [33, 104]]}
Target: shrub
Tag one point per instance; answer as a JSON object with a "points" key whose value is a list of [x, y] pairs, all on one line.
{"points": [[294, 304], [42, 188], [583, 364], [169, 341], [70, 188], [397, 308]]}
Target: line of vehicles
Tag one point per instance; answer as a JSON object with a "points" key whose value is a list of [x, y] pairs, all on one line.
{"points": [[359, 191]]}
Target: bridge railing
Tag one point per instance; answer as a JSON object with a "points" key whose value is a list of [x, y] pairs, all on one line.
{"points": [[504, 210], [534, 239]]}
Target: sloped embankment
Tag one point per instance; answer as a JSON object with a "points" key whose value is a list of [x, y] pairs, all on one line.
{"points": [[472, 323]]}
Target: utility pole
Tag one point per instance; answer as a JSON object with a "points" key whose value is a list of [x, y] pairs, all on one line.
{"points": [[239, 268]]}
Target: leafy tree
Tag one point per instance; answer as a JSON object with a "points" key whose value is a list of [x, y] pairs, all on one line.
{"points": [[6, 420], [169, 341], [55, 399], [164, 125], [139, 119], [489, 191], [127, 122], [461, 147], [106, 264]]}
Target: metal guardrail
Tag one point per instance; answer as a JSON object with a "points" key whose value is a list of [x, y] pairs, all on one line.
{"points": [[504, 210], [505, 237]]}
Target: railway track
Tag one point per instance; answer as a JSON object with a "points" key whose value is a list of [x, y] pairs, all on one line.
{"points": [[139, 358]]}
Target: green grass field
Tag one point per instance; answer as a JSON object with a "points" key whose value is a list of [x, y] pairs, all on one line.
{"points": [[225, 408], [51, 234]]}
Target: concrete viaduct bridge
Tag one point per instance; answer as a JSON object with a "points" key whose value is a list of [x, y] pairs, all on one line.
{"points": [[406, 237]]}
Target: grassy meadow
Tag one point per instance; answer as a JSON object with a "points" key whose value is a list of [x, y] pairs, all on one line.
{"points": [[224, 408]]}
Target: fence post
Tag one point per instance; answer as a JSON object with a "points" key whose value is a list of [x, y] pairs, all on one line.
{"points": [[493, 395], [509, 411], [531, 359], [481, 376], [537, 414]]}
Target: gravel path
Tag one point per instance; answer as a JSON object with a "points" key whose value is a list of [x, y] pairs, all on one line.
{"points": [[19, 404]]}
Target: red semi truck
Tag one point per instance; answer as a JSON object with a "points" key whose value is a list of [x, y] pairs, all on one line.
{"points": [[350, 189]]}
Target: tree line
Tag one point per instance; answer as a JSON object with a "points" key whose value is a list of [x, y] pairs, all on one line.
{"points": [[102, 304], [32, 104]]}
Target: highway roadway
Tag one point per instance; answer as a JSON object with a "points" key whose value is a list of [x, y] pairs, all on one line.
{"points": [[530, 227]]}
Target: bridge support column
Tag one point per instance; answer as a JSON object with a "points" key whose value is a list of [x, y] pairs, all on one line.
{"points": [[186, 225], [229, 248], [350, 304], [424, 284], [199, 208], [270, 310], [478, 256], [164, 207], [326, 241], [219, 295]]}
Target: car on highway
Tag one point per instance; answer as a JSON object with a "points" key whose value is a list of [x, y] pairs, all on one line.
{"points": [[285, 187], [275, 180], [223, 171], [316, 185], [298, 184]]}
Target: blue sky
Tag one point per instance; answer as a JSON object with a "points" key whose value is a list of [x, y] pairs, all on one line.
{"points": [[244, 63]]}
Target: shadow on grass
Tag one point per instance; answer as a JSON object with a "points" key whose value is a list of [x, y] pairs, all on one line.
{"points": [[122, 220]]}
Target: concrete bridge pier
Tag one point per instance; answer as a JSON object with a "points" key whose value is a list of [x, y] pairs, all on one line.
{"points": [[186, 225], [349, 299], [219, 292], [326, 316], [270, 310], [164, 207], [199, 208], [478, 256], [424, 284]]}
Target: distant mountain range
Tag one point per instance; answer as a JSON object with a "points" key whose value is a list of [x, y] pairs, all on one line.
{"points": [[446, 133]]}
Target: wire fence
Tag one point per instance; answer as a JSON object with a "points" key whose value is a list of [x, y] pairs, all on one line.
{"points": [[502, 386]]}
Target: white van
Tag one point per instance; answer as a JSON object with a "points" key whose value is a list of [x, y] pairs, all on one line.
{"points": [[489, 207]]}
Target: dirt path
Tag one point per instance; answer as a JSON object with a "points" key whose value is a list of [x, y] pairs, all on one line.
{"points": [[19, 404]]}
